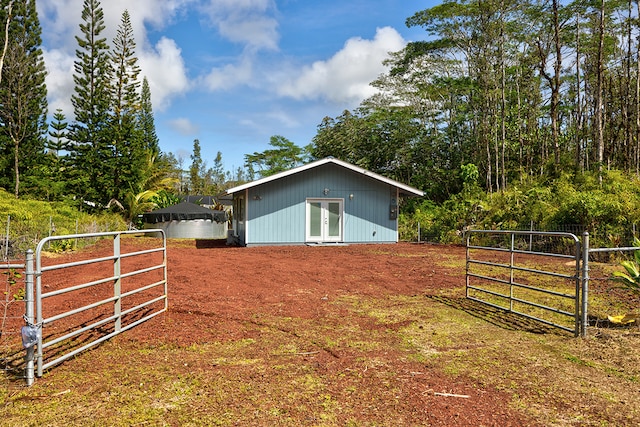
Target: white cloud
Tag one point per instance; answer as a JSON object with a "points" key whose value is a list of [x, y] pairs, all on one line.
{"points": [[60, 19], [230, 75], [284, 118], [162, 64], [166, 72], [59, 80], [264, 122], [345, 77], [248, 22], [184, 126]]}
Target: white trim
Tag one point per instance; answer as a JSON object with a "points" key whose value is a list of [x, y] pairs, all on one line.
{"points": [[397, 216], [246, 217], [405, 188]]}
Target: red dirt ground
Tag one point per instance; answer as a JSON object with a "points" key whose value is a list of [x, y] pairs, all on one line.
{"points": [[216, 293]]}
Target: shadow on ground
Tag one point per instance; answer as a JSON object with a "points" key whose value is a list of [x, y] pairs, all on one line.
{"points": [[501, 318]]}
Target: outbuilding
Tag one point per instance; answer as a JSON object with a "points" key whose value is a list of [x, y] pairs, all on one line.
{"points": [[188, 221], [328, 201]]}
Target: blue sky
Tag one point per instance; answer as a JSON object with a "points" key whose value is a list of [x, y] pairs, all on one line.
{"points": [[233, 73]]}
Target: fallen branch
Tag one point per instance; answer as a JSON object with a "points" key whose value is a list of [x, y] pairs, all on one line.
{"points": [[305, 353], [464, 396]]}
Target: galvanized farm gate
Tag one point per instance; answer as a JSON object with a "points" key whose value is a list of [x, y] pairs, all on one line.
{"points": [[73, 312], [539, 275]]}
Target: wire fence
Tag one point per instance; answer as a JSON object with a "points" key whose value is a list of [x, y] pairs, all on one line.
{"points": [[12, 309], [17, 236], [601, 235]]}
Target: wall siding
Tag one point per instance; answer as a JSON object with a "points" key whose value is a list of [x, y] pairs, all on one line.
{"points": [[276, 209]]}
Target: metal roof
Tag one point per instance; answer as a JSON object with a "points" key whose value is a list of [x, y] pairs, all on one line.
{"points": [[405, 189]]}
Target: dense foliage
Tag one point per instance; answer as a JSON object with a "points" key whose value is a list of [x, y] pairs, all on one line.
{"points": [[521, 89], [28, 221], [542, 97], [609, 211], [283, 155], [23, 102]]}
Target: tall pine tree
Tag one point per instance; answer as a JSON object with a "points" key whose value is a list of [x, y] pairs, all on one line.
{"points": [[23, 97], [196, 170], [147, 123], [90, 140], [129, 159], [57, 156]]}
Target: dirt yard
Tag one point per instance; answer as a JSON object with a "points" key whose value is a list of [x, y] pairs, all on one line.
{"points": [[359, 335], [222, 293]]}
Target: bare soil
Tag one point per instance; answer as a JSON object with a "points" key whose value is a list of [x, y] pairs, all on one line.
{"points": [[221, 293], [307, 335]]}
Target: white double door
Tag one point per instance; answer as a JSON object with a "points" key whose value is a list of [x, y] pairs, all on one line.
{"points": [[324, 220]]}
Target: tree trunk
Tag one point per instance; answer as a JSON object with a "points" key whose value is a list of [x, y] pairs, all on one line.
{"points": [[637, 156], [6, 38], [598, 101], [16, 165], [503, 101], [579, 119], [626, 98], [555, 87]]}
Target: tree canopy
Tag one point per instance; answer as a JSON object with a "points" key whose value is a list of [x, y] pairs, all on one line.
{"points": [[283, 156], [23, 97], [520, 89]]}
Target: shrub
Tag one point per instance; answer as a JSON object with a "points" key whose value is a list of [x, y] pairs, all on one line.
{"points": [[30, 221]]}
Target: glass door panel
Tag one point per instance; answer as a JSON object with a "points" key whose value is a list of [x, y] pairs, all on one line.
{"points": [[315, 219], [324, 220], [334, 212]]}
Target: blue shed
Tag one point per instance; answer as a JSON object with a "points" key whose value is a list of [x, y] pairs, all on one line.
{"points": [[326, 201]]}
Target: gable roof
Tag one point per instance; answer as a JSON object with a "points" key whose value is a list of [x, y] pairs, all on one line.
{"points": [[404, 189]]}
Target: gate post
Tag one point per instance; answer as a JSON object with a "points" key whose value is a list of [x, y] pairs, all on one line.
{"points": [[29, 314], [117, 284], [585, 283]]}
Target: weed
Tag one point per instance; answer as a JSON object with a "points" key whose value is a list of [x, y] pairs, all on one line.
{"points": [[60, 246]]}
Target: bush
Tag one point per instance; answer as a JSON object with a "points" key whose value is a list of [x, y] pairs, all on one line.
{"points": [[30, 221], [607, 210]]}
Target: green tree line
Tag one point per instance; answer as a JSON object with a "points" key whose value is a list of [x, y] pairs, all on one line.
{"points": [[108, 155], [518, 88]]}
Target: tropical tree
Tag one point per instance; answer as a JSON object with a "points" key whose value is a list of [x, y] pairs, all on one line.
{"points": [[126, 165], [146, 120], [196, 170], [57, 156], [23, 96], [283, 156]]}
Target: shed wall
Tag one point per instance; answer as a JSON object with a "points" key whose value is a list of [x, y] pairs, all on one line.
{"points": [[276, 210]]}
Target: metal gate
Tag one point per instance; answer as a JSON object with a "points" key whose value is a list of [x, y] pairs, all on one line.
{"points": [[82, 303], [534, 274]]}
